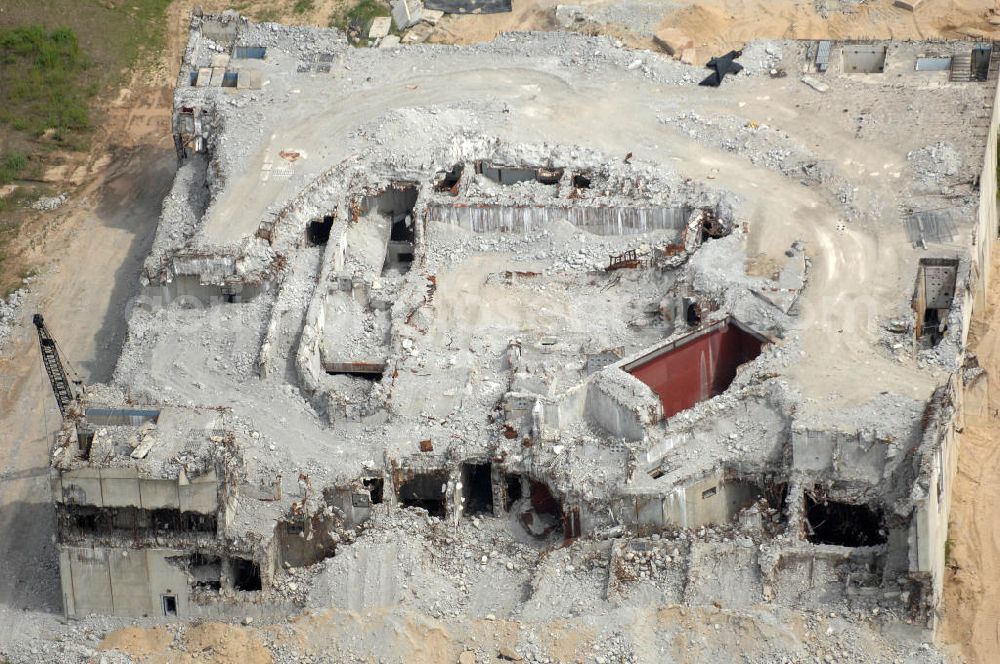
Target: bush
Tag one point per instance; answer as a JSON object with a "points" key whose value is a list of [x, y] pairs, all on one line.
{"points": [[11, 166]]}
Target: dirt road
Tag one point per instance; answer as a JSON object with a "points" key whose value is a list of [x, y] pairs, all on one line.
{"points": [[92, 254], [972, 585]]}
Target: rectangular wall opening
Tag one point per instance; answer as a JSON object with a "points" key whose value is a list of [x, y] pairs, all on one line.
{"points": [[864, 59], [477, 488], [245, 574], [543, 515], [514, 491], [933, 297], [107, 417], [425, 491], [375, 486], [698, 366], [396, 204], [841, 524], [169, 605], [981, 63]]}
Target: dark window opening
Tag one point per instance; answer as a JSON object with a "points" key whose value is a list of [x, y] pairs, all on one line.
{"points": [[450, 180], [318, 231], [206, 570], [133, 521], [426, 491], [841, 524], [581, 181], [514, 492], [375, 486], [194, 78], [229, 79], [245, 574], [169, 605], [981, 63], [477, 486], [84, 439], [708, 493], [692, 312]]}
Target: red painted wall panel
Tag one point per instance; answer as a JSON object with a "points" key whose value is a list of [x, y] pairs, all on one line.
{"points": [[699, 369]]}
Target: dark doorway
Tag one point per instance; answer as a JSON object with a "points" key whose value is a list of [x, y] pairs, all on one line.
{"points": [[426, 491], [169, 605], [245, 574], [375, 486], [842, 524], [477, 488], [514, 491], [318, 231]]}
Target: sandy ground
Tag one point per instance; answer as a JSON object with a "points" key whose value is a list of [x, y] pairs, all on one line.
{"points": [[972, 591], [92, 252]]}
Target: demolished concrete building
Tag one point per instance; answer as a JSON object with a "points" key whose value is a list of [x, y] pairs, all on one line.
{"points": [[396, 286]]}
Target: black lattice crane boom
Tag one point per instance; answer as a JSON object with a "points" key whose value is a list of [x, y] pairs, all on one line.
{"points": [[62, 387]]}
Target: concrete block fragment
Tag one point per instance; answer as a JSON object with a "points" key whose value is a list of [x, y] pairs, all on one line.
{"points": [[908, 5], [819, 86], [389, 41], [218, 73], [417, 34], [379, 27], [204, 77], [432, 16], [407, 12], [220, 60]]}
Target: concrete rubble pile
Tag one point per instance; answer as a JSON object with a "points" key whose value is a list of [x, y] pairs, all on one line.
{"points": [[415, 334]]}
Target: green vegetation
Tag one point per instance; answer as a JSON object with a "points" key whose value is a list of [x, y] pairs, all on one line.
{"points": [[303, 6], [360, 14], [12, 165], [44, 77], [57, 59], [949, 547]]}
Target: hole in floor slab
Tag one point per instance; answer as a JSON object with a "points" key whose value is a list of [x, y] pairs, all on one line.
{"points": [[245, 574], [933, 297], [680, 373], [450, 179], [510, 175], [864, 59], [318, 231], [841, 524], [477, 488], [375, 486], [426, 491]]}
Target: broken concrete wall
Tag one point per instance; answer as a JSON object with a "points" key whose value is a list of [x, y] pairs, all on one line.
{"points": [[710, 500], [621, 404], [845, 456], [932, 495], [523, 219], [122, 487], [986, 223]]}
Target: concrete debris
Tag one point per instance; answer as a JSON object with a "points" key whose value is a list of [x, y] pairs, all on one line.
{"points": [[49, 203], [407, 359]]}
